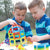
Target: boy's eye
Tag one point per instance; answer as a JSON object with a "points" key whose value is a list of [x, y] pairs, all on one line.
{"points": [[35, 12], [23, 15], [18, 15]]}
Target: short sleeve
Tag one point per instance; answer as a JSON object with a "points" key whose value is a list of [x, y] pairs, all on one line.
{"points": [[28, 30]]}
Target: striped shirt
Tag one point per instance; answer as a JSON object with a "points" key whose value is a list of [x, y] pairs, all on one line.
{"points": [[24, 24], [43, 27]]}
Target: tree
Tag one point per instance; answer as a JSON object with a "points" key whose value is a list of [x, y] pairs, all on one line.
{"points": [[6, 8], [1, 9], [48, 9]]}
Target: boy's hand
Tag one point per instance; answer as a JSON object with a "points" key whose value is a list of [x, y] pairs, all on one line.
{"points": [[11, 22], [30, 39], [36, 38]]}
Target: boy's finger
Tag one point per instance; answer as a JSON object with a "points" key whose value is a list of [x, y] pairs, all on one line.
{"points": [[14, 23], [28, 38]]}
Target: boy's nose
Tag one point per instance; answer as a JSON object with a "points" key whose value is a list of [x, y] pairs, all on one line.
{"points": [[20, 17]]}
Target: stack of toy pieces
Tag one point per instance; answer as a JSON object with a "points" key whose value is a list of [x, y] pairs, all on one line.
{"points": [[16, 35], [44, 46], [20, 47]]}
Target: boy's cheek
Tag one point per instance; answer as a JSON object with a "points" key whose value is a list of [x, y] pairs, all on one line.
{"points": [[23, 18], [16, 17], [37, 15], [13, 13]]}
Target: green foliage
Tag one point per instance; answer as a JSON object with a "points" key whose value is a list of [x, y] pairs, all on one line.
{"points": [[2, 36], [48, 9], [6, 8]]}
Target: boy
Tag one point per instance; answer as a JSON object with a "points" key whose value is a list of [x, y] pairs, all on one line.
{"points": [[37, 8], [19, 16]]}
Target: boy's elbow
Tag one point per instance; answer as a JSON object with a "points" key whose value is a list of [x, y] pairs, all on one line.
{"points": [[49, 36], [0, 28]]}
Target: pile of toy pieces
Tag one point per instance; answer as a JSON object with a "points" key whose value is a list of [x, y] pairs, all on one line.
{"points": [[38, 46]]}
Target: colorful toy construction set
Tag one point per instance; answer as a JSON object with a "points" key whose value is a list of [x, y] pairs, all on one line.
{"points": [[17, 38]]}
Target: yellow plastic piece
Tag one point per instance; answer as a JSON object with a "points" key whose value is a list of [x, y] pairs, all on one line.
{"points": [[11, 43], [22, 33], [23, 48], [19, 47], [23, 42], [47, 48]]}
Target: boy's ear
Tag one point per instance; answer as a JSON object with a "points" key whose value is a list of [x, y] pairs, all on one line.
{"points": [[13, 12], [43, 8]]}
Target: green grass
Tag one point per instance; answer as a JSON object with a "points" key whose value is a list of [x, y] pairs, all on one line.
{"points": [[2, 35], [34, 31]]}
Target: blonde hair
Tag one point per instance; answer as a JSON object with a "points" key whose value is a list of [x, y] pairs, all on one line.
{"points": [[20, 5], [36, 3]]}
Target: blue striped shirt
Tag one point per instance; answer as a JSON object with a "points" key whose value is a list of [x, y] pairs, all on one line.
{"points": [[24, 24], [43, 27]]}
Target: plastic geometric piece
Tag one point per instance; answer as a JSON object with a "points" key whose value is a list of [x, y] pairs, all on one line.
{"points": [[7, 41], [23, 40], [16, 35], [12, 42], [20, 47]]}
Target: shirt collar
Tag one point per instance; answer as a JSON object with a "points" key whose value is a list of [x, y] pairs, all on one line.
{"points": [[42, 19], [18, 23]]}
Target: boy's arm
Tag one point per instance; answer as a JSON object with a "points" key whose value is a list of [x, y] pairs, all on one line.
{"points": [[44, 37], [4, 23], [38, 38]]}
